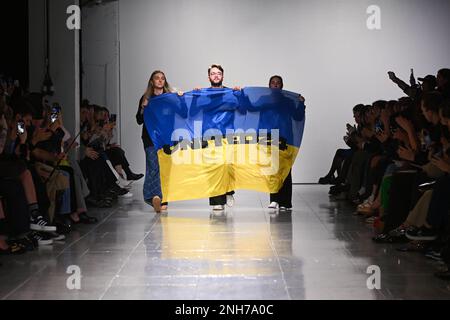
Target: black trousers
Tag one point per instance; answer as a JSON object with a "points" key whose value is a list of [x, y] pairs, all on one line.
{"points": [[117, 157], [403, 196], [99, 176], [284, 196], [15, 206], [220, 200], [439, 208]]}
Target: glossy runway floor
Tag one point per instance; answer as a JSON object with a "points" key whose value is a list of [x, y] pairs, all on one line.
{"points": [[320, 251]]}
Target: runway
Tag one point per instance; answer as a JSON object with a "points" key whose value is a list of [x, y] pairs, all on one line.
{"points": [[319, 251]]}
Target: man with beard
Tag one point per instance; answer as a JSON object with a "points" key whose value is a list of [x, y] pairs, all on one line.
{"points": [[215, 77]]}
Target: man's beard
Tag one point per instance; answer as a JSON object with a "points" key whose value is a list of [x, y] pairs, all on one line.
{"points": [[216, 85]]}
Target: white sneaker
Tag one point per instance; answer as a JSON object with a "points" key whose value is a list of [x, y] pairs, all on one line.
{"points": [[274, 205], [230, 200], [219, 207], [126, 195], [124, 184], [57, 237], [39, 224]]}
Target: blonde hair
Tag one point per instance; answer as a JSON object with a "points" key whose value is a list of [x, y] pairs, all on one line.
{"points": [[151, 89]]}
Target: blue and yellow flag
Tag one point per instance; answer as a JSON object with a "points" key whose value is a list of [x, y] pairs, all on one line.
{"points": [[213, 141]]}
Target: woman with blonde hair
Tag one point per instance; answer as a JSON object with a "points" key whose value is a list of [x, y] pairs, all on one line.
{"points": [[157, 85]]}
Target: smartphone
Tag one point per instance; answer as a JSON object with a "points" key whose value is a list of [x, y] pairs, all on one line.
{"points": [[379, 127], [56, 108], [113, 118], [20, 128], [53, 117]]}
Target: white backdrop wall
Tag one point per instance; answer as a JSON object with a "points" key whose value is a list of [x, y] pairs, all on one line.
{"points": [[323, 49]]}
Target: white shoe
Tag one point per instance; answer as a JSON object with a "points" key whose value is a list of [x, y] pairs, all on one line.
{"points": [[124, 184], [126, 195], [219, 207], [230, 200], [274, 205]]}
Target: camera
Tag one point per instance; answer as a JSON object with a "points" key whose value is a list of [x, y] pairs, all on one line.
{"points": [[20, 128]]}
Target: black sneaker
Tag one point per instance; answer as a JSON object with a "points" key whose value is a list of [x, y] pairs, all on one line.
{"points": [[382, 238], [422, 234], [135, 177], [63, 226], [43, 239], [39, 224], [327, 180], [435, 255], [119, 191]]}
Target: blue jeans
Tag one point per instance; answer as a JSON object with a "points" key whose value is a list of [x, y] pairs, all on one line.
{"points": [[152, 183]]}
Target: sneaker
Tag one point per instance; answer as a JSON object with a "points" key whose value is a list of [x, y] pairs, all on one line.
{"points": [[398, 232], [39, 224], [56, 236], [435, 255], [119, 191], [274, 205], [126, 195], [219, 207], [370, 220], [135, 177], [381, 238], [327, 180], [43, 239], [422, 234], [122, 183], [230, 200]]}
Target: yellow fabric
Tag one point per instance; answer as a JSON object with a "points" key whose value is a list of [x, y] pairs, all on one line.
{"points": [[200, 173]]}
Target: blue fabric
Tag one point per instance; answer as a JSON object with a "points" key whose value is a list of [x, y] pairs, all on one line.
{"points": [[252, 108], [152, 182]]}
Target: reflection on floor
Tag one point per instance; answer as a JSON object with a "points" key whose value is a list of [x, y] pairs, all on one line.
{"points": [[319, 251]]}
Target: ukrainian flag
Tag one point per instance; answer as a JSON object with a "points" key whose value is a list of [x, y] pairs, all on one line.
{"points": [[213, 141]]}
